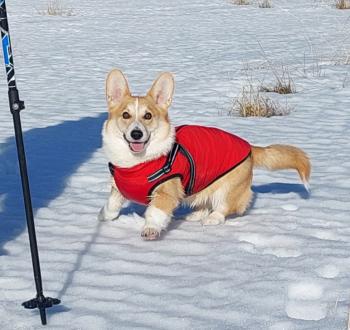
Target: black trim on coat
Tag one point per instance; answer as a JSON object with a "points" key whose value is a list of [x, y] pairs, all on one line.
{"points": [[190, 185]]}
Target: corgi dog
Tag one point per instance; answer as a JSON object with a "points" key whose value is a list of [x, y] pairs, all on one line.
{"points": [[159, 165]]}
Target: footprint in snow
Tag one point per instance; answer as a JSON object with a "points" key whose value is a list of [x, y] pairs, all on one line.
{"points": [[305, 302], [328, 271], [278, 245], [290, 207]]}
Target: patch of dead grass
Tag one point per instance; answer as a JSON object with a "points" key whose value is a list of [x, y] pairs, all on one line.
{"points": [[342, 4], [284, 83], [265, 4], [241, 2], [56, 8], [253, 103]]}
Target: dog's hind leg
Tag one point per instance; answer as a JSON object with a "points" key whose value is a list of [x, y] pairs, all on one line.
{"points": [[198, 215], [219, 207], [201, 204], [233, 194]]}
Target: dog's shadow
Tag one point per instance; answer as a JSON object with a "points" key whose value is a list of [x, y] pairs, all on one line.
{"points": [[179, 214], [282, 188], [183, 210], [53, 154]]}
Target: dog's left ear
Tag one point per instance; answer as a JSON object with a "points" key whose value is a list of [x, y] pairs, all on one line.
{"points": [[162, 90]]}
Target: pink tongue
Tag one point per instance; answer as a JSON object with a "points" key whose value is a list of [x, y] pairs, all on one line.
{"points": [[137, 147]]}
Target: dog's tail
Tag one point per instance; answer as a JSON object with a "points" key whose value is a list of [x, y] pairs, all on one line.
{"points": [[280, 157]]}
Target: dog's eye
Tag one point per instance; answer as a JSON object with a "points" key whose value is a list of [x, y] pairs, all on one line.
{"points": [[147, 116], [126, 115]]}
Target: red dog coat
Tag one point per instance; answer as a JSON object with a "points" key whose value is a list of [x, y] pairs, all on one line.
{"points": [[199, 156]]}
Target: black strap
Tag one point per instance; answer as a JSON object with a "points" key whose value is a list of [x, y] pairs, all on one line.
{"points": [[189, 188], [111, 168], [170, 161], [167, 166]]}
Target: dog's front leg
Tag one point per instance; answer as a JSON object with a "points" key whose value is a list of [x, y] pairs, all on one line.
{"points": [[164, 200], [113, 205]]}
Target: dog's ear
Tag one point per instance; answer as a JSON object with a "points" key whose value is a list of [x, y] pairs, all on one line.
{"points": [[116, 87], [162, 90]]}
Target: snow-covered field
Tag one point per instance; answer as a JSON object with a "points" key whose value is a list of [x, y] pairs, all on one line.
{"points": [[284, 265]]}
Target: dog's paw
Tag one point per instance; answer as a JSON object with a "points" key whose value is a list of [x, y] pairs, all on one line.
{"points": [[214, 218], [150, 234], [197, 215], [107, 216]]}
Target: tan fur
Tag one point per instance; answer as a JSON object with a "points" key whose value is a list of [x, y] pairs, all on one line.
{"points": [[168, 196], [237, 192], [231, 194], [280, 157], [146, 102]]}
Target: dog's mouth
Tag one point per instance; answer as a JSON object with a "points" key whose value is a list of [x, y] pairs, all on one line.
{"points": [[137, 147]]}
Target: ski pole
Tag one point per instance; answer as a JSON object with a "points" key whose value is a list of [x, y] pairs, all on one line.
{"points": [[16, 105]]}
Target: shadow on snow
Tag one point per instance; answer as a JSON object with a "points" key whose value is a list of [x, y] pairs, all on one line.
{"points": [[282, 188], [53, 154]]}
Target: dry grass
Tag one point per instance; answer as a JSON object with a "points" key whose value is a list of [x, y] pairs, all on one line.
{"points": [[284, 84], [265, 4], [342, 4], [253, 103], [56, 8], [240, 2], [341, 58], [346, 62]]}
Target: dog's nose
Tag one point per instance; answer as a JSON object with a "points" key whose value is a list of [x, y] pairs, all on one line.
{"points": [[136, 134]]}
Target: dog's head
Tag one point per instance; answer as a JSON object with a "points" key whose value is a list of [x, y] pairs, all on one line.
{"points": [[138, 127]]}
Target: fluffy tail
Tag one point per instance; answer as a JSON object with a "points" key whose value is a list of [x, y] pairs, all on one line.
{"points": [[280, 157]]}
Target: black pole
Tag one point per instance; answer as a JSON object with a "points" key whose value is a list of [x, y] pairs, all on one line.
{"points": [[16, 105]]}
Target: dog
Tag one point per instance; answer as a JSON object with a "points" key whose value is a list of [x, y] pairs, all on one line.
{"points": [[154, 163]]}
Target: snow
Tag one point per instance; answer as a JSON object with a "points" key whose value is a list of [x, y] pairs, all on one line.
{"points": [[284, 265]]}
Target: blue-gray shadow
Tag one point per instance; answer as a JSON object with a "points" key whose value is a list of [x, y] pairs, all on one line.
{"points": [[53, 154], [139, 209], [183, 210], [282, 188]]}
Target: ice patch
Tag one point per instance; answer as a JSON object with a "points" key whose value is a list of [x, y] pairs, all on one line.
{"points": [[324, 234], [328, 271], [290, 207], [305, 310], [277, 245], [304, 302], [305, 291]]}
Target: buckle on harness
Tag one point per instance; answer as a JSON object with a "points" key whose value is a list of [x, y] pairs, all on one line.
{"points": [[167, 166]]}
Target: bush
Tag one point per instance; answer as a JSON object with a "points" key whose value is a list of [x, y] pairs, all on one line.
{"points": [[342, 4], [265, 4], [56, 8], [241, 2], [253, 103]]}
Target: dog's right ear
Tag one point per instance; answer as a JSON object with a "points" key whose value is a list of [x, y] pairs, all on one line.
{"points": [[116, 88]]}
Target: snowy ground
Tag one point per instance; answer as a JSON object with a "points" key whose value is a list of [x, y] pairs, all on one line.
{"points": [[284, 265]]}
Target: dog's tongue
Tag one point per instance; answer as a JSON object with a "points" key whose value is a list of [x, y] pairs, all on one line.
{"points": [[137, 147]]}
